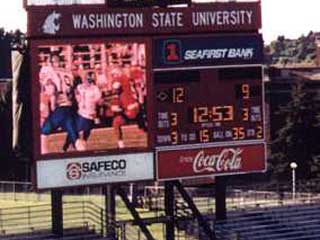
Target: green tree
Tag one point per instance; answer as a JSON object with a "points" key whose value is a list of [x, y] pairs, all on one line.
{"points": [[301, 50], [297, 140]]}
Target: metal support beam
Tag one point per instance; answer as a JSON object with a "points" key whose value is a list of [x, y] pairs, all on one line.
{"points": [[134, 213], [57, 212], [110, 201], [221, 208], [195, 211], [134, 194], [169, 210]]}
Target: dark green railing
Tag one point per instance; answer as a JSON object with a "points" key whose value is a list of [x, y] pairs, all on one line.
{"points": [[29, 219]]}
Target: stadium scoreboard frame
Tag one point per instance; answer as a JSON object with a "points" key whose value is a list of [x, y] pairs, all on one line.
{"points": [[198, 93]]}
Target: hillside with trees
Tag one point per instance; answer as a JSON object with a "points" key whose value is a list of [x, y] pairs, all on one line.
{"points": [[297, 139], [17, 38], [285, 51]]}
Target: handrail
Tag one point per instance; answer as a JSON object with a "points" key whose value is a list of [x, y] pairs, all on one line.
{"points": [[23, 207], [87, 213], [33, 218]]}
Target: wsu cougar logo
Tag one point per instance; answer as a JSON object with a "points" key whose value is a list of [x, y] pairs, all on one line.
{"points": [[51, 24], [74, 171]]}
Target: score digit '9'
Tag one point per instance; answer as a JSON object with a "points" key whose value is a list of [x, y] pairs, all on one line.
{"points": [[243, 91], [246, 91]]}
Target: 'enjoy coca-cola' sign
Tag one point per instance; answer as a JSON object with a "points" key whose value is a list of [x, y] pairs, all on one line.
{"points": [[175, 164], [229, 159]]}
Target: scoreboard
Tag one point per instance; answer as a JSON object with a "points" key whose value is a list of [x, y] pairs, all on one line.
{"points": [[209, 105], [212, 105], [167, 93]]}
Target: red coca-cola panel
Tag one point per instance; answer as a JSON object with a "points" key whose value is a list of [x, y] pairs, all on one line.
{"points": [[193, 162]]}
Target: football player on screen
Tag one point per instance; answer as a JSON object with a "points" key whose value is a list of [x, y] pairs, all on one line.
{"points": [[62, 115], [88, 96], [124, 105]]}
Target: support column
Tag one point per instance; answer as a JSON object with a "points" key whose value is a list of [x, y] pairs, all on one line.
{"points": [[201, 220], [135, 214], [169, 209], [110, 201], [221, 207], [134, 194], [57, 212]]}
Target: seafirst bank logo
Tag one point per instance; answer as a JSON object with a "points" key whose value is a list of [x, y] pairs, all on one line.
{"points": [[51, 25], [172, 51]]}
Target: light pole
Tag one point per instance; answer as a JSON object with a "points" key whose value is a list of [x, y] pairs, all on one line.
{"points": [[293, 166], [131, 191]]}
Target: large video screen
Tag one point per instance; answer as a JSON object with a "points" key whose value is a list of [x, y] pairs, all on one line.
{"points": [[92, 97]]}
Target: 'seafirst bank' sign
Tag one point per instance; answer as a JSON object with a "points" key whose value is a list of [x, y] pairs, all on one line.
{"points": [[208, 51], [96, 19]]}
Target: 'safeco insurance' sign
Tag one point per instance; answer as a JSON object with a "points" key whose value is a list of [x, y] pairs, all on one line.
{"points": [[81, 20], [98, 170]]}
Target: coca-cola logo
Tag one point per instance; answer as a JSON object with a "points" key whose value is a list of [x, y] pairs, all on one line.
{"points": [[74, 171], [228, 160]]}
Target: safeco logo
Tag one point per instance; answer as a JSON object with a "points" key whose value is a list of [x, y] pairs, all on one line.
{"points": [[74, 171]]}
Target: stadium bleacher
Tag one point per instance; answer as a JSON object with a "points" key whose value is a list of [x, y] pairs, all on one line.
{"points": [[295, 222]]}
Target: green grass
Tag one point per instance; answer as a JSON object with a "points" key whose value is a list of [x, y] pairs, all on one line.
{"points": [[12, 203], [15, 216], [11, 200]]}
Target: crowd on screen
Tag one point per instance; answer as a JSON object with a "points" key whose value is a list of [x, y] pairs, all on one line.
{"points": [[90, 86]]}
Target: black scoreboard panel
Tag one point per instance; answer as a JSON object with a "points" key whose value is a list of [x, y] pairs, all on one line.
{"points": [[208, 105]]}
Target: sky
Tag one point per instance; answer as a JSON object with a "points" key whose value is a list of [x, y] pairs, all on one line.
{"points": [[290, 18]]}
